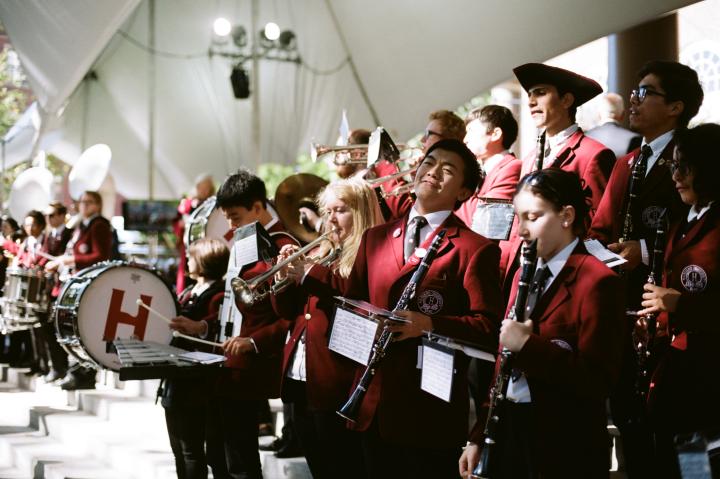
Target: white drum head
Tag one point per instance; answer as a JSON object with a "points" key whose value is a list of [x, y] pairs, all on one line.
{"points": [[109, 305], [217, 225]]}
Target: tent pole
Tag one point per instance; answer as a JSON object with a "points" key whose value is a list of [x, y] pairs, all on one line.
{"points": [[151, 99], [255, 86]]}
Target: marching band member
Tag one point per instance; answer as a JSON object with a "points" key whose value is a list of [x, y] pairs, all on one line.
{"points": [[668, 96], [204, 188], [185, 399], [316, 380], [684, 389], [91, 243], [405, 431], [254, 358], [554, 95], [566, 351], [55, 244]]}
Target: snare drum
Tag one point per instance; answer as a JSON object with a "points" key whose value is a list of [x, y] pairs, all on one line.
{"points": [[25, 298], [207, 221], [98, 305]]}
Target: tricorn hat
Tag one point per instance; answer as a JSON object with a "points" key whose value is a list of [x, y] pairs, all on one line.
{"points": [[582, 88]]}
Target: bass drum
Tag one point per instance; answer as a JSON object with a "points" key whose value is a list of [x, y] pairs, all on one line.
{"points": [[207, 221], [99, 304]]}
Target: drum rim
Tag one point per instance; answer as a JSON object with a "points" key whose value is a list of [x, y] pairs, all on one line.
{"points": [[104, 266]]}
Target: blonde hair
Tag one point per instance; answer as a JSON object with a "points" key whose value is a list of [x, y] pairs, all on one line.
{"points": [[362, 201]]}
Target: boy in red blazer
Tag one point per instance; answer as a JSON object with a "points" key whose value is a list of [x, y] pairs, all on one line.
{"points": [[405, 431]]}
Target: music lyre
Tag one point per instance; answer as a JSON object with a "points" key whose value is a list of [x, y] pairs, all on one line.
{"points": [[177, 334]]}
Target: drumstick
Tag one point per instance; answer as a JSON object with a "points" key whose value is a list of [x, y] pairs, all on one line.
{"points": [[176, 334], [46, 256]]}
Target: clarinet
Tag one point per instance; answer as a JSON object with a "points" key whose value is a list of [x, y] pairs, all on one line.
{"points": [[540, 151], [351, 408], [635, 180], [644, 344], [502, 378]]}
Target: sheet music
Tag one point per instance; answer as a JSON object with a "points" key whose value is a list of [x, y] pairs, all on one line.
{"points": [[201, 357], [596, 249], [352, 335], [244, 251], [493, 219], [438, 368]]}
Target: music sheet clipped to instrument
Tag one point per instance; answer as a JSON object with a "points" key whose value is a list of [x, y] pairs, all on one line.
{"points": [[352, 335], [438, 368]]}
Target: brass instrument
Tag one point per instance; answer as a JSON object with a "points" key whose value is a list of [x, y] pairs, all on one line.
{"points": [[399, 189], [380, 146], [259, 287], [294, 192]]}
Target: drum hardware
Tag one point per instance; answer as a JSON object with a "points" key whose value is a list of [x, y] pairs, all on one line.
{"points": [[176, 334], [206, 221], [259, 287], [25, 302], [294, 192], [95, 307]]}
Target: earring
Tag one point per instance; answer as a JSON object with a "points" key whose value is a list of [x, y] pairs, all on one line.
{"points": [[565, 224]]}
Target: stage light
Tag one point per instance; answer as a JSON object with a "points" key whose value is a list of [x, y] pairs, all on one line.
{"points": [[287, 40], [272, 31], [239, 36], [222, 27]]}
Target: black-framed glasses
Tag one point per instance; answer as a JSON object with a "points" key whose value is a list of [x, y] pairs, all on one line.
{"points": [[683, 169], [642, 91], [429, 133]]}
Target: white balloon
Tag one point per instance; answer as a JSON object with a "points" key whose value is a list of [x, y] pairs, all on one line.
{"points": [[89, 170]]}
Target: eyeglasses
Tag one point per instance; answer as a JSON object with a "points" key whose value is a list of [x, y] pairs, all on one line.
{"points": [[683, 169], [429, 133], [642, 91]]}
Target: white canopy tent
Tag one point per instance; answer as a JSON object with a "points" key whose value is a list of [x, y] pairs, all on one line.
{"points": [[412, 56]]}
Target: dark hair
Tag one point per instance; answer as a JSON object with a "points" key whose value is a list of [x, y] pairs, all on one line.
{"points": [[241, 189], [680, 83], [95, 196], [471, 168], [359, 137], [38, 217], [560, 188], [58, 207], [496, 116], [11, 220], [572, 111], [212, 257], [698, 148]]}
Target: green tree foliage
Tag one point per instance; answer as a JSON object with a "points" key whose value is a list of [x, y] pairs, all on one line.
{"points": [[273, 173]]}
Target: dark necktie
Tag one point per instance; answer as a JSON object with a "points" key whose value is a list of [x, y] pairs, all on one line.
{"points": [[640, 167], [412, 235], [536, 289]]}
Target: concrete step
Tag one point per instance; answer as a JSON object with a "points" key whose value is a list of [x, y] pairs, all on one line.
{"points": [[13, 473]]}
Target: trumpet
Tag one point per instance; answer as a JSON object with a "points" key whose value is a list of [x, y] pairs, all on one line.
{"points": [[259, 287], [380, 146], [399, 189]]}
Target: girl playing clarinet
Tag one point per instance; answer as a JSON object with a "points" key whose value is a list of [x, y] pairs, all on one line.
{"points": [[565, 351]]}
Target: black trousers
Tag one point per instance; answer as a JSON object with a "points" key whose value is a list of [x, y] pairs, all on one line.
{"points": [[186, 430], [514, 453], [232, 438], [49, 351], [385, 460], [331, 449]]}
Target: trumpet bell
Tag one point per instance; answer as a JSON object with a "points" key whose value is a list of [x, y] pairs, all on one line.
{"points": [[292, 193]]}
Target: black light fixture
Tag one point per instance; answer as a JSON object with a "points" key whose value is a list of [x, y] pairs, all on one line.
{"points": [[240, 82], [270, 44]]}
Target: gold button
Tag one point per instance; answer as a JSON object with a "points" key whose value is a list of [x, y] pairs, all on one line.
{"points": [[307, 316]]}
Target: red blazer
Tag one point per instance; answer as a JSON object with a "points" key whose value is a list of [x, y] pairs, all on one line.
{"points": [[329, 375], [590, 160], [397, 205], [257, 375], [657, 193], [55, 245], [684, 388], [92, 244], [571, 362], [463, 284]]}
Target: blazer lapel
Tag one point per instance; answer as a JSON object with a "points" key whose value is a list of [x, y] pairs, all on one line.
{"points": [[451, 223], [660, 171], [695, 230], [567, 154], [396, 237], [559, 291]]}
